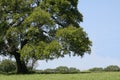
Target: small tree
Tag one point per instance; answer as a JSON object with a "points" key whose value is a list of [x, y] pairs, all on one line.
{"points": [[7, 66], [112, 68]]}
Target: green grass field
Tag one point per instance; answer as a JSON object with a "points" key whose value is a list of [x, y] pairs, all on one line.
{"points": [[81, 76]]}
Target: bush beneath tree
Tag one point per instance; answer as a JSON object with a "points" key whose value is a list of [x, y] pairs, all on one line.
{"points": [[7, 66]]}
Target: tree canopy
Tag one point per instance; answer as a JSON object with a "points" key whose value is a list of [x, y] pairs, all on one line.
{"points": [[41, 30]]}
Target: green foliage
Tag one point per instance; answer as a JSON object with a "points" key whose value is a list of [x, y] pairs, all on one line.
{"points": [[59, 70], [73, 70], [112, 68], [49, 71], [42, 29], [62, 69], [96, 69], [7, 66], [75, 40]]}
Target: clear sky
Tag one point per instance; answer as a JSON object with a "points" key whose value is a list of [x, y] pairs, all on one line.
{"points": [[102, 23]]}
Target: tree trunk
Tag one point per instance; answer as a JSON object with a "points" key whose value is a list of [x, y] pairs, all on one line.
{"points": [[20, 64]]}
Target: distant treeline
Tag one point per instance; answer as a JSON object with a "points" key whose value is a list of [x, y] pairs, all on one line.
{"points": [[60, 69], [64, 69], [8, 66], [112, 68]]}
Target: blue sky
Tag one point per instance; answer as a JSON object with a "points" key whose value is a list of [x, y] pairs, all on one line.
{"points": [[102, 23]]}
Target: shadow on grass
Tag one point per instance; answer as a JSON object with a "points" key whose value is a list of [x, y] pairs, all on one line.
{"points": [[37, 72], [15, 73]]}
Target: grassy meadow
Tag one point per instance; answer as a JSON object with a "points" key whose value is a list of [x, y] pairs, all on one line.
{"points": [[81, 76]]}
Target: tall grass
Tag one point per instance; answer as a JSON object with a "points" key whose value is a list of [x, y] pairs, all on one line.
{"points": [[81, 76]]}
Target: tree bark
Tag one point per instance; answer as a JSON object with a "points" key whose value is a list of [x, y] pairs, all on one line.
{"points": [[20, 64]]}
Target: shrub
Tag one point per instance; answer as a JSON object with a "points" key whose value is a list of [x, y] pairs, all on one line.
{"points": [[7, 66]]}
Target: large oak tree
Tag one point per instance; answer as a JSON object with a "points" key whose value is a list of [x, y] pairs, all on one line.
{"points": [[41, 30]]}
